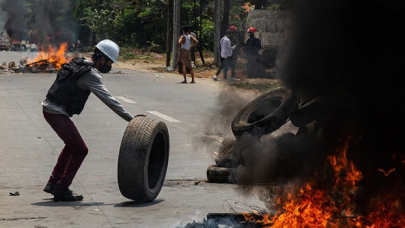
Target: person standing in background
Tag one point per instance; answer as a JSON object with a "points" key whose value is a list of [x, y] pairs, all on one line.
{"points": [[252, 47], [226, 55], [184, 60]]}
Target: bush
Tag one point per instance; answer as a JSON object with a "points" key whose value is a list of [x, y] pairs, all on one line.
{"points": [[128, 56]]}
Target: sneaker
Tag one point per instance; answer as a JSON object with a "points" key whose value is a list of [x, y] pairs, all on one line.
{"points": [[215, 78], [67, 195], [49, 188], [235, 79]]}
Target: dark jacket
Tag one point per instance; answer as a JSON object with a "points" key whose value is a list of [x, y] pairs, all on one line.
{"points": [[234, 42], [252, 46], [90, 81], [65, 90]]}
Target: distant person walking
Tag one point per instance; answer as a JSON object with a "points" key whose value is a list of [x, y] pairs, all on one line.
{"points": [[234, 58], [252, 47], [184, 60], [226, 55]]}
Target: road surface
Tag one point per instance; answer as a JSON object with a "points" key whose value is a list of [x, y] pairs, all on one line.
{"points": [[29, 149]]}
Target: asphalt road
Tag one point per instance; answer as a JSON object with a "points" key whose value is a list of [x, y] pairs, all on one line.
{"points": [[29, 149]]}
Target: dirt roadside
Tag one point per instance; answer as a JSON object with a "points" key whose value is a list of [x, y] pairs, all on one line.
{"points": [[153, 62]]}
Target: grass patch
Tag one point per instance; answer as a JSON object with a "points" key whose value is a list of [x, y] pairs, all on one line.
{"points": [[261, 87], [127, 56], [128, 53]]}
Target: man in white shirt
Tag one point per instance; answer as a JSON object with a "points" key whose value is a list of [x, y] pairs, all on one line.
{"points": [[226, 55]]}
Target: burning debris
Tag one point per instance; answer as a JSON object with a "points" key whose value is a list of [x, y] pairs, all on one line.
{"points": [[237, 216], [41, 66], [48, 61], [230, 220]]}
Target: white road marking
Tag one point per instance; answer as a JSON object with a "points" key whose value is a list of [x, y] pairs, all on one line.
{"points": [[126, 100], [163, 116]]}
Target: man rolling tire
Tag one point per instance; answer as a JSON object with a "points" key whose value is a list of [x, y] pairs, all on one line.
{"points": [[67, 97]]}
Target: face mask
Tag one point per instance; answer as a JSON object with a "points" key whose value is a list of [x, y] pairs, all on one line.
{"points": [[105, 68]]}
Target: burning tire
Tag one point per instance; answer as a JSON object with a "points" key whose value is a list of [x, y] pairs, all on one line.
{"points": [[217, 174], [265, 114], [143, 159]]}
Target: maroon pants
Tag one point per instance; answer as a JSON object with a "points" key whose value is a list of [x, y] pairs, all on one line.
{"points": [[71, 156]]}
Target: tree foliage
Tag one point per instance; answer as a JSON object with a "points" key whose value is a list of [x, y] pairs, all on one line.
{"points": [[134, 23]]}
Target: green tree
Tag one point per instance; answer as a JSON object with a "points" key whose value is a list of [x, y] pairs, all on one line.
{"points": [[101, 21]]}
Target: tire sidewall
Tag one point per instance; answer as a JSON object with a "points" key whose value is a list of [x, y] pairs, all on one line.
{"points": [[153, 193], [134, 159]]}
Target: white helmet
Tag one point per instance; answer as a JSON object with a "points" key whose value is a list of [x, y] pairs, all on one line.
{"points": [[110, 49]]}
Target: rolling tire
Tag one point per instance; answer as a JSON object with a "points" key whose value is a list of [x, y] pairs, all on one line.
{"points": [[266, 113], [217, 174], [143, 159]]}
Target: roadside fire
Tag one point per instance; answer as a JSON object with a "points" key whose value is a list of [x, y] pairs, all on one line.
{"points": [[50, 60], [46, 61], [314, 205]]}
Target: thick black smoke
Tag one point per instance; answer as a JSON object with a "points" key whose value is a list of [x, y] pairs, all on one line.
{"points": [[41, 22], [2, 17], [14, 25], [351, 53]]}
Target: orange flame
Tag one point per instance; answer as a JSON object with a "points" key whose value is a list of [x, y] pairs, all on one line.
{"points": [[56, 57], [313, 206], [387, 173]]}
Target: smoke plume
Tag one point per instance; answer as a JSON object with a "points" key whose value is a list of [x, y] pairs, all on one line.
{"points": [[2, 17], [349, 53], [14, 12], [350, 56], [41, 22]]}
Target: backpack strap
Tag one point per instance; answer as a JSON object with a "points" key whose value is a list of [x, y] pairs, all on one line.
{"points": [[75, 68]]}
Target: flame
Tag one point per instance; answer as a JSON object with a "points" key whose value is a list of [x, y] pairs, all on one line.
{"points": [[341, 165], [308, 207], [56, 57], [315, 206], [387, 173]]}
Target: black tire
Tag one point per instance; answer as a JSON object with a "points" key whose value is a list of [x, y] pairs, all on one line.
{"points": [[217, 174], [143, 159], [265, 114]]}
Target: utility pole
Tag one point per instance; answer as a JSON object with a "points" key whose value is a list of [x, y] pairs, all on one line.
{"points": [[169, 33], [225, 19], [176, 30], [200, 34], [217, 33]]}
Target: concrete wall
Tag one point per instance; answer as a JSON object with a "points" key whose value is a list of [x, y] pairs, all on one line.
{"points": [[270, 26]]}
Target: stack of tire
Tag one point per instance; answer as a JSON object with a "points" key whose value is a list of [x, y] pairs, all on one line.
{"points": [[262, 116]]}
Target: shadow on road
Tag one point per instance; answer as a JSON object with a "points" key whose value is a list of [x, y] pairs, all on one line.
{"points": [[137, 204], [51, 203]]}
